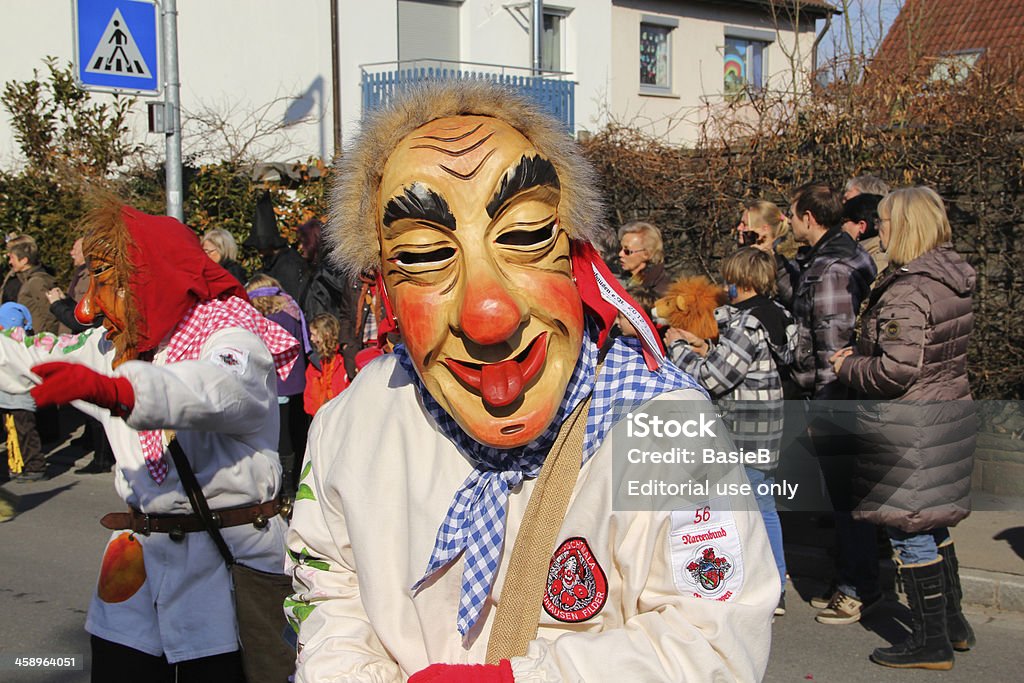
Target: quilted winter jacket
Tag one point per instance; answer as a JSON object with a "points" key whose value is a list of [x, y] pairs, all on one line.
{"points": [[917, 440]]}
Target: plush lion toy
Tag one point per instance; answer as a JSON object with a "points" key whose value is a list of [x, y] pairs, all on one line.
{"points": [[690, 305]]}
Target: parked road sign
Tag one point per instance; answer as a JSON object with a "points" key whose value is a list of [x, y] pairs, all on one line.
{"points": [[117, 46]]}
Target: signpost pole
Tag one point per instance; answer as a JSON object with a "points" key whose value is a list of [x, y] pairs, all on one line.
{"points": [[172, 163], [335, 80]]}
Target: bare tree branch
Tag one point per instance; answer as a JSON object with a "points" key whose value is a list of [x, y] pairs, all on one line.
{"points": [[239, 133]]}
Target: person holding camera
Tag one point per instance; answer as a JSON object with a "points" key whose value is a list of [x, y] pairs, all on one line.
{"points": [[764, 226]]}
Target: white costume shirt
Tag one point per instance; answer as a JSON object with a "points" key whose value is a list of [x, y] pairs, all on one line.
{"points": [[226, 419], [378, 481]]}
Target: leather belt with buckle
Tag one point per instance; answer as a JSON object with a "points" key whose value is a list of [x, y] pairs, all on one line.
{"points": [[177, 526]]}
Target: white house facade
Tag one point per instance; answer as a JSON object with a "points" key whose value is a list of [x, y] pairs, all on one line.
{"points": [[264, 67]]}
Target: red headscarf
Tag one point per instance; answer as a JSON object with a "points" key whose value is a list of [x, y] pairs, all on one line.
{"points": [[170, 274]]}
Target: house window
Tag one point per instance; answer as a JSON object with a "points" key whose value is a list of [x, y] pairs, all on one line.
{"points": [[744, 64], [552, 40], [656, 53], [428, 30], [955, 67]]}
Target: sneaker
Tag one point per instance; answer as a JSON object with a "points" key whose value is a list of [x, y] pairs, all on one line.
{"points": [[841, 609], [27, 477], [780, 609]]}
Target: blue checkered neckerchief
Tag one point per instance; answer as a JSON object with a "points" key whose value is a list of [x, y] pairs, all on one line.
{"points": [[475, 523]]}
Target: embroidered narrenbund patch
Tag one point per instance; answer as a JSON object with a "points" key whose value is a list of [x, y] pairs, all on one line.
{"points": [[707, 556], [892, 329], [577, 586]]}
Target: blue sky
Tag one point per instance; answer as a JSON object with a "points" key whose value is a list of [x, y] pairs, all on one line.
{"points": [[869, 20]]}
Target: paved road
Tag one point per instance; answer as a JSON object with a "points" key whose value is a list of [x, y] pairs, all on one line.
{"points": [[804, 650], [51, 555]]}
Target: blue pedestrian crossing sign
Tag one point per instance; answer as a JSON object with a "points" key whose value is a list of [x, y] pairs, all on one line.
{"points": [[117, 46]]}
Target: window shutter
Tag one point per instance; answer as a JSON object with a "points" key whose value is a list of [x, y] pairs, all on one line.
{"points": [[428, 30]]}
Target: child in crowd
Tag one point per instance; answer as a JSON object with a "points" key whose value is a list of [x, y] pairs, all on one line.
{"points": [[741, 372], [325, 374], [19, 410], [277, 305]]}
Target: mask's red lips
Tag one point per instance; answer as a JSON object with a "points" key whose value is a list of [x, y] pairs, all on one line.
{"points": [[500, 384]]}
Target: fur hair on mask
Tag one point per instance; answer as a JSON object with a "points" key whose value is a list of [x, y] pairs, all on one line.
{"points": [[690, 305], [351, 235]]}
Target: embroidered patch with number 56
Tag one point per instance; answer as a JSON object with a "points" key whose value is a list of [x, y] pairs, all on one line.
{"points": [[707, 558]]}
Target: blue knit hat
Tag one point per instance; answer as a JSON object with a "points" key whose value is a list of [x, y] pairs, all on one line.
{"points": [[15, 315]]}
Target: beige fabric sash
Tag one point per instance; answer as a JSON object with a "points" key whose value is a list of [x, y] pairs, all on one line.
{"points": [[518, 613]]}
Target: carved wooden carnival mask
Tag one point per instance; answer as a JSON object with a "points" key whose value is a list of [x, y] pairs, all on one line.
{"points": [[478, 271], [106, 297]]}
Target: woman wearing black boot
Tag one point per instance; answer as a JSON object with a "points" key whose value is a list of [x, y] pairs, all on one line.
{"points": [[917, 438]]}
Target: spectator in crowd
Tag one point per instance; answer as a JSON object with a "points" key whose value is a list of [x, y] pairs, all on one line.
{"points": [[11, 284], [362, 310], [860, 221], [62, 305], [835, 276], [220, 245], [607, 244], [917, 450], [325, 374], [642, 255], [763, 225], [865, 184], [741, 372], [183, 350], [63, 302], [329, 291], [13, 465], [311, 245], [23, 256], [25, 461], [276, 305], [36, 281], [401, 565], [353, 301], [280, 260]]}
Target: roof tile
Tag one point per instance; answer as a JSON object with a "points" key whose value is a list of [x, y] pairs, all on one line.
{"points": [[926, 29]]}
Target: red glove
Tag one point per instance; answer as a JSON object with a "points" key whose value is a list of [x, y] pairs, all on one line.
{"points": [[66, 382], [465, 673]]}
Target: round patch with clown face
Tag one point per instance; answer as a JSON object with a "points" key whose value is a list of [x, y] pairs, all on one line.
{"points": [[577, 587]]}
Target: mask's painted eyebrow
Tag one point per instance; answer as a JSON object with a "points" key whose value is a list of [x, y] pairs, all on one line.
{"points": [[529, 172], [419, 202]]}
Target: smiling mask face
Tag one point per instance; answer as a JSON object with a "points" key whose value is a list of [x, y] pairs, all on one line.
{"points": [[478, 271]]}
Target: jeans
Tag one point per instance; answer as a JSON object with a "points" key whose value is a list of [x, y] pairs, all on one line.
{"points": [[917, 548], [772, 524], [857, 557], [856, 548]]}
